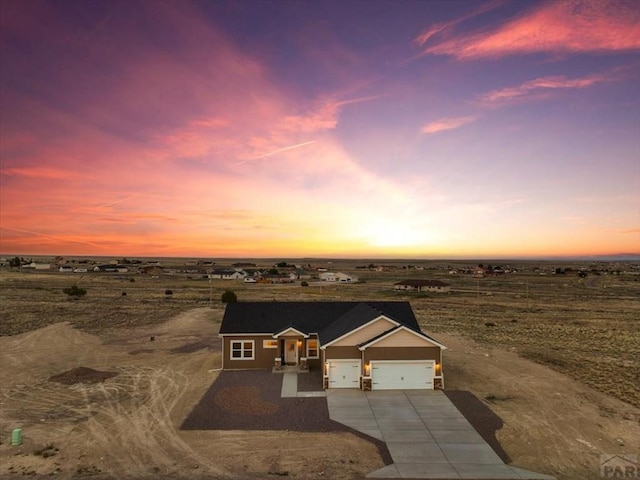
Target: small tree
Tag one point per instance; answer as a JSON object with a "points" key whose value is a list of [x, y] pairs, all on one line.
{"points": [[75, 291], [229, 296], [304, 284]]}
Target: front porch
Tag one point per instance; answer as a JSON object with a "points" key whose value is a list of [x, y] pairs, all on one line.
{"points": [[279, 368], [296, 351]]}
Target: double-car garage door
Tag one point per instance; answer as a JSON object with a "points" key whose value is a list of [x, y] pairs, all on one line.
{"points": [[402, 375], [385, 374]]}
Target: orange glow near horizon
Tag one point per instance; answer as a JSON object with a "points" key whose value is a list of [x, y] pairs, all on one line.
{"points": [[169, 131]]}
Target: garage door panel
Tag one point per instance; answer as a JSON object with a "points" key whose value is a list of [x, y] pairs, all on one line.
{"points": [[344, 373], [402, 375]]}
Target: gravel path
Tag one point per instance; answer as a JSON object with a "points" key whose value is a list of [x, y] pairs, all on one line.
{"points": [[250, 400], [310, 381]]}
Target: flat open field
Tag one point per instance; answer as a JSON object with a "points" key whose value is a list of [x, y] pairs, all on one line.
{"points": [[554, 356]]}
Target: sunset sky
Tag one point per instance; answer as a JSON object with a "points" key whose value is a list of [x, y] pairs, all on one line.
{"points": [[421, 129]]}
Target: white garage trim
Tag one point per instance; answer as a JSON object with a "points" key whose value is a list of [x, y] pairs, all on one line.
{"points": [[344, 373], [402, 374]]}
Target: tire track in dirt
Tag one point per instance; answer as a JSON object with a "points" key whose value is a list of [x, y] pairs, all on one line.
{"points": [[122, 427]]}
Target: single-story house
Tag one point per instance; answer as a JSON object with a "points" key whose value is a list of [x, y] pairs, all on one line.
{"points": [[337, 277], [40, 266], [227, 274], [366, 345], [151, 270], [300, 274], [423, 285]]}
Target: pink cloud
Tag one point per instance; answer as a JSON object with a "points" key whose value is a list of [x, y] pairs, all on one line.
{"points": [[447, 124], [556, 26], [143, 164], [534, 88], [323, 117], [421, 39], [41, 172]]}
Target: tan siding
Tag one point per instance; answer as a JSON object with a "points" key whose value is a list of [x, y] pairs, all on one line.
{"points": [[400, 353], [342, 352], [367, 333], [264, 358], [402, 338], [291, 335]]}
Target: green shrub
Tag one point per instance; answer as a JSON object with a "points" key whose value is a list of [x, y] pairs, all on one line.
{"points": [[229, 296], [75, 291]]}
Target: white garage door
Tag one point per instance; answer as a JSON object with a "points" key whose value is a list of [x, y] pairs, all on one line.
{"points": [[402, 375], [344, 373]]}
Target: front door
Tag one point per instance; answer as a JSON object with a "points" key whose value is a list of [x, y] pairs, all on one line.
{"points": [[291, 352]]}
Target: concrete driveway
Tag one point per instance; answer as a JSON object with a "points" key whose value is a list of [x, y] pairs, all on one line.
{"points": [[425, 433]]}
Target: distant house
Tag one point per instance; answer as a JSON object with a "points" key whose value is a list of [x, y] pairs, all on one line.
{"points": [[300, 274], [479, 273], [344, 278], [65, 269], [423, 285], [151, 270], [105, 268], [338, 277], [276, 278], [227, 275], [327, 276], [40, 266]]}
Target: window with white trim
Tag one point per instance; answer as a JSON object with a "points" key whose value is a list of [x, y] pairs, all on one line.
{"points": [[270, 344], [242, 349], [312, 349]]}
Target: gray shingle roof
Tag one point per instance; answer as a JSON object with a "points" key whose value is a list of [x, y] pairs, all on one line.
{"points": [[330, 320]]}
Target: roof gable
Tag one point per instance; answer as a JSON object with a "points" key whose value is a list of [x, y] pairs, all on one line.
{"points": [[360, 323], [290, 331], [401, 337]]}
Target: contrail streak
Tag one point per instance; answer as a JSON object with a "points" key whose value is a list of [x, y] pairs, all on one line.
{"points": [[275, 152], [44, 235], [118, 201]]}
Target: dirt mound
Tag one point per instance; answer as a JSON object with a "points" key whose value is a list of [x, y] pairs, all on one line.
{"points": [[82, 375]]}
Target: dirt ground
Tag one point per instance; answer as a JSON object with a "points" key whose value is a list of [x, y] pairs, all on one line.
{"points": [[128, 425]]}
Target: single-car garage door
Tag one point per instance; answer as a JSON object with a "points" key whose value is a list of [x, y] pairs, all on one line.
{"points": [[344, 373], [402, 375]]}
